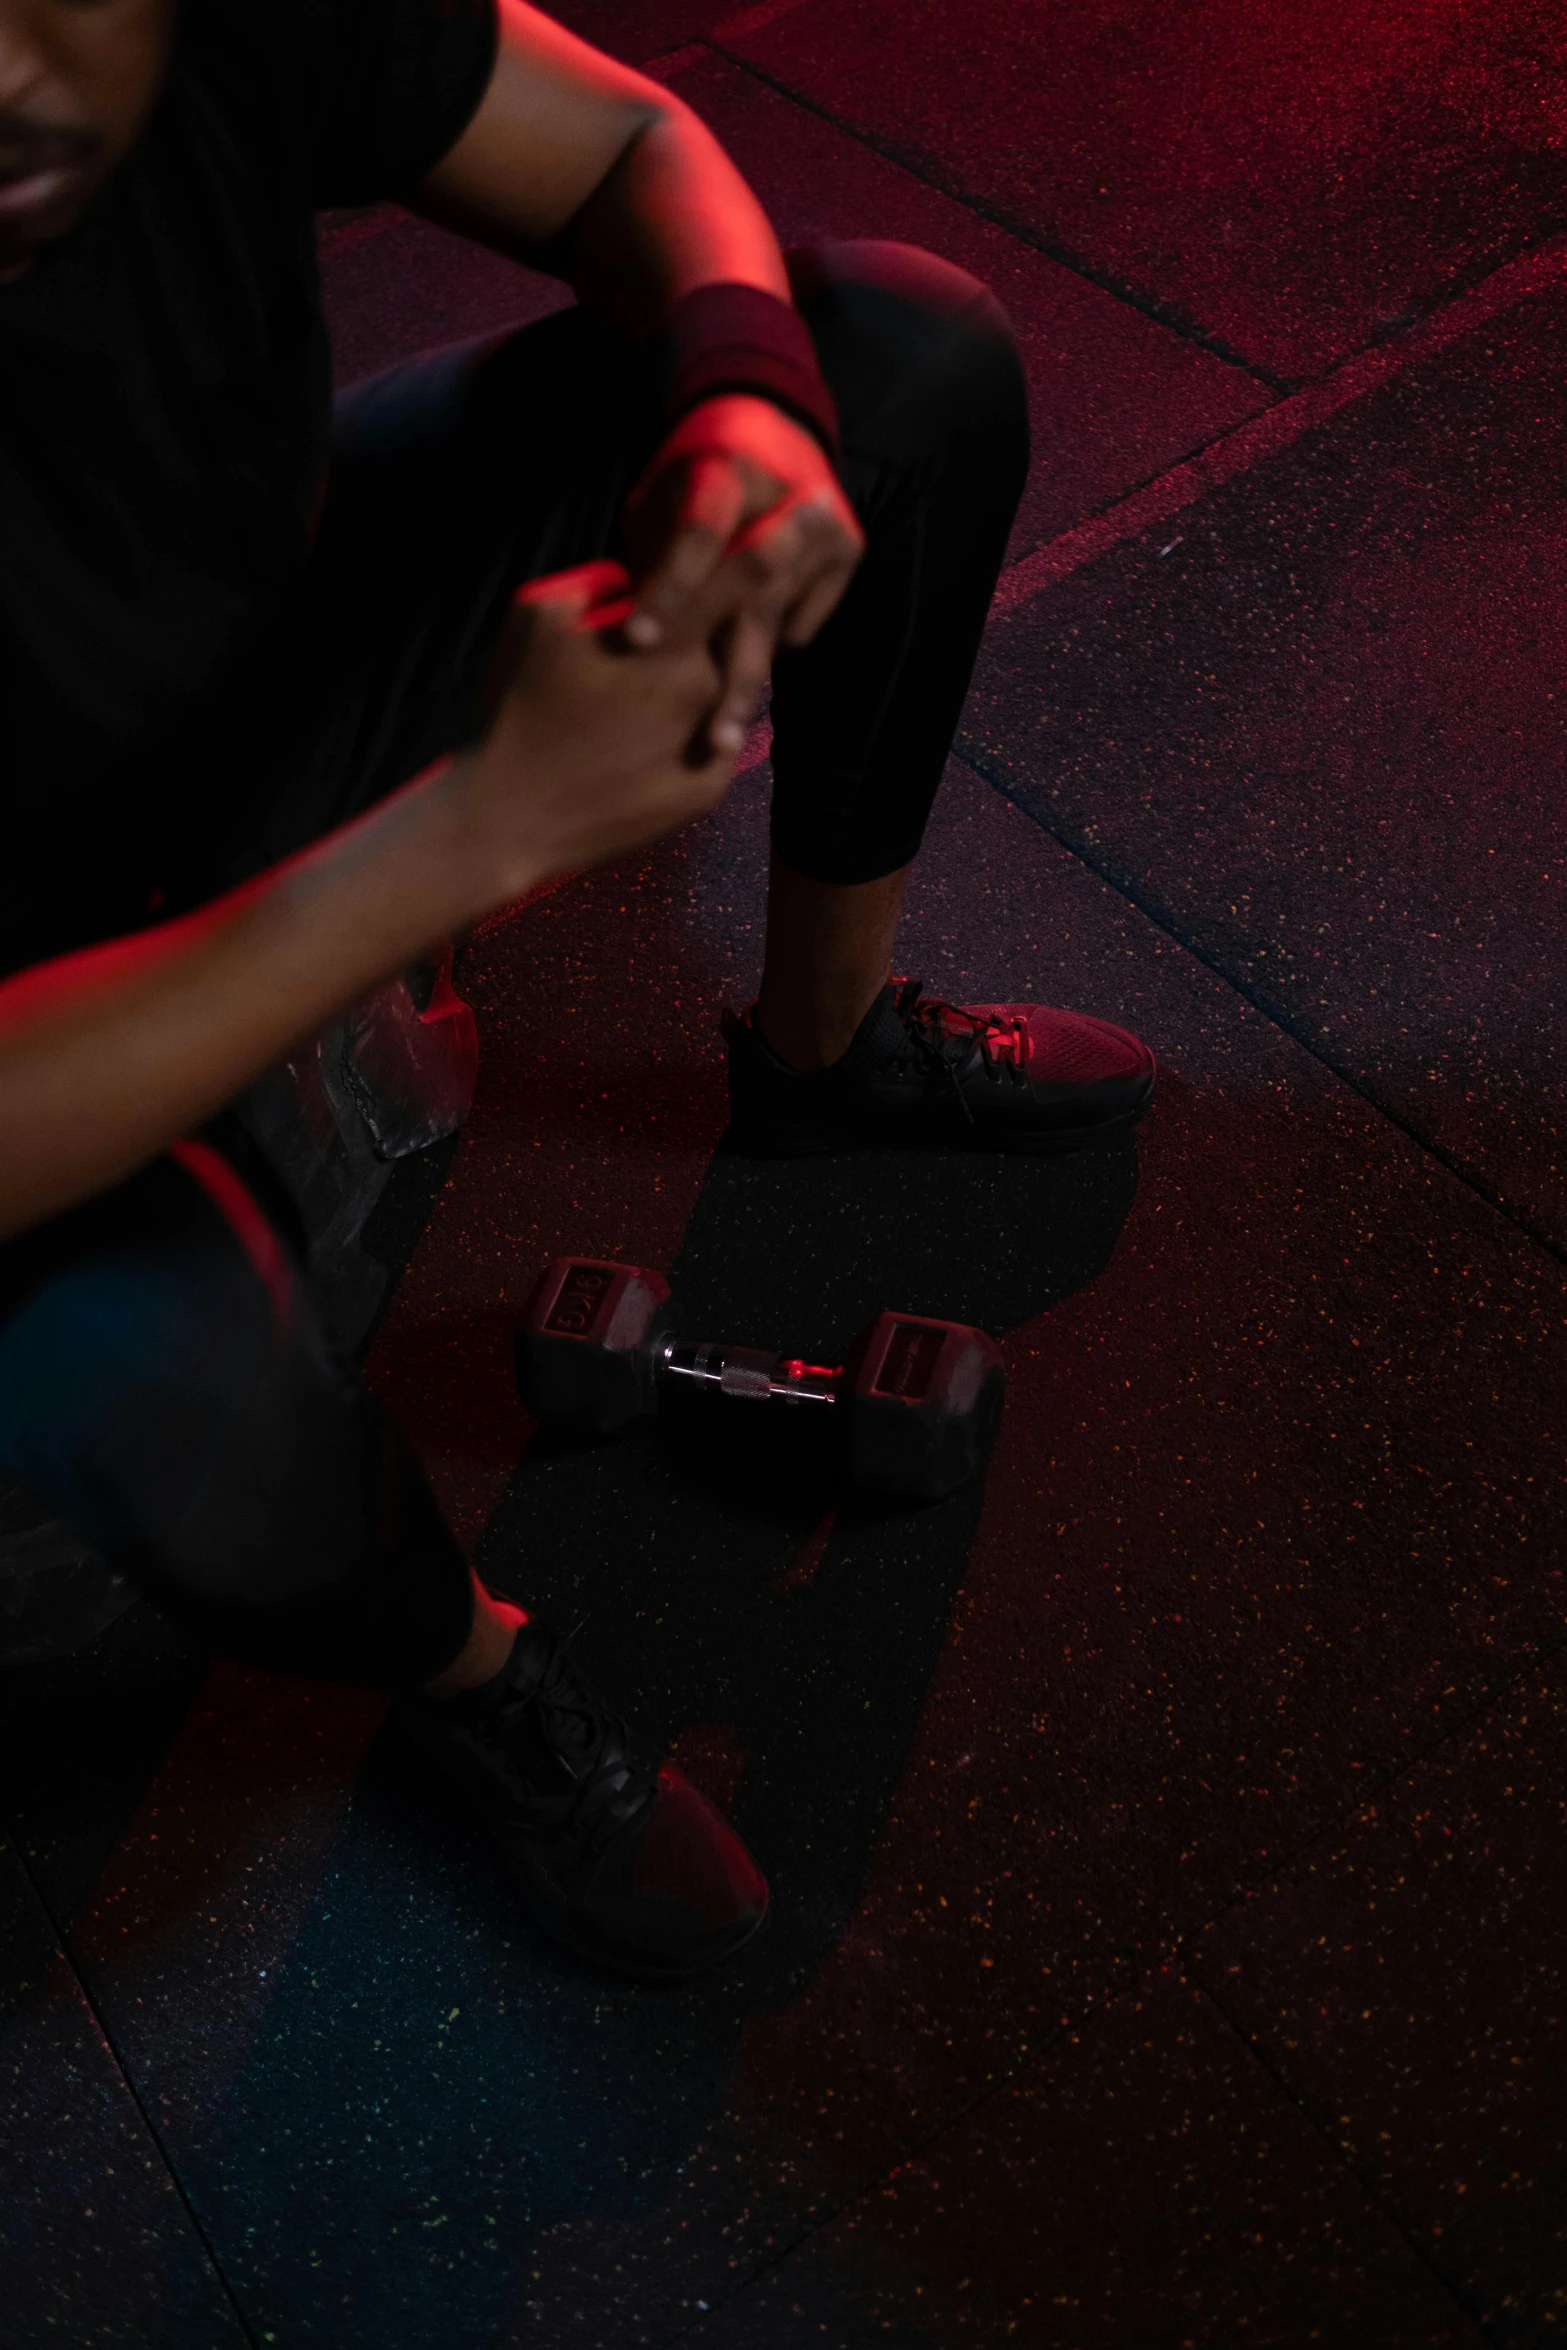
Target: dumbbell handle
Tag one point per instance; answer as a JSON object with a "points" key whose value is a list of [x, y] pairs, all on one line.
{"points": [[747, 1371], [918, 1400]]}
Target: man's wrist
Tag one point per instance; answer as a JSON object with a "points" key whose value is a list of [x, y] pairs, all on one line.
{"points": [[729, 337], [481, 870]]}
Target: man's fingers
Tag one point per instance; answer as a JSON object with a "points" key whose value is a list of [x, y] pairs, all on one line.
{"points": [[817, 605], [766, 560], [790, 568], [578, 597], [747, 662], [770, 570], [779, 554], [711, 509], [785, 575]]}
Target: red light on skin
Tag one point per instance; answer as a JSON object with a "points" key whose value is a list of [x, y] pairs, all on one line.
{"points": [[605, 584]]}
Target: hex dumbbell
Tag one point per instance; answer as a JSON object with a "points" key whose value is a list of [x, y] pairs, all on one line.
{"points": [[915, 1404]]}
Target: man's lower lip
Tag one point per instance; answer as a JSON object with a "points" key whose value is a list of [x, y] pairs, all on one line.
{"points": [[36, 193]]}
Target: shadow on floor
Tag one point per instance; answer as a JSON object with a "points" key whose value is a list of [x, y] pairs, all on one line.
{"points": [[718, 1565]]}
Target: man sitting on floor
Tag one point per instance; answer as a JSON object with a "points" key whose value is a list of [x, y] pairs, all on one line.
{"points": [[234, 624]]}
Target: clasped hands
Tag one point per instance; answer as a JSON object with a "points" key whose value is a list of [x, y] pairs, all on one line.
{"points": [[621, 698], [740, 525]]}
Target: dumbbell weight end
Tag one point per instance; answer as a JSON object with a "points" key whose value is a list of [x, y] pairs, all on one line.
{"points": [[916, 1405], [922, 1401], [590, 1343]]}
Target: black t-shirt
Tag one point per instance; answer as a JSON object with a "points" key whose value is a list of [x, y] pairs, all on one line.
{"points": [[165, 404]]}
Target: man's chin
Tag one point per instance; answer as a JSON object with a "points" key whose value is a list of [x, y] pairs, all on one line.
{"points": [[35, 214]]}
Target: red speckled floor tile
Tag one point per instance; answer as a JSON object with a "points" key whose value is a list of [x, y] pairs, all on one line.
{"points": [[100, 2251], [1316, 724], [1146, 2182], [1294, 180], [1113, 396], [1404, 1981]]}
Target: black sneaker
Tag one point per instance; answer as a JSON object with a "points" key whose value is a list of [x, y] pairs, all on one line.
{"points": [[620, 1858], [1011, 1077]]}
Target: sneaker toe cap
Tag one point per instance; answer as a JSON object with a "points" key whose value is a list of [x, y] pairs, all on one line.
{"points": [[1074, 1048], [692, 1893], [1077, 1049]]}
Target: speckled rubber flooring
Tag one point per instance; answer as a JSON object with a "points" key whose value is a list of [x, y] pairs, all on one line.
{"points": [[1167, 1842]]}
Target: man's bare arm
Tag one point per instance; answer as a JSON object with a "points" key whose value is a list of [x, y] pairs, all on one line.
{"points": [[577, 164], [108, 1056]]}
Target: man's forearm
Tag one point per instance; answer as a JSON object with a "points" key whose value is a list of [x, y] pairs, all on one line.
{"points": [[575, 163], [673, 215], [108, 1055]]}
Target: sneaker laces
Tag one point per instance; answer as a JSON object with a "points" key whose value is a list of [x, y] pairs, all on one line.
{"points": [[592, 1745], [946, 1037]]}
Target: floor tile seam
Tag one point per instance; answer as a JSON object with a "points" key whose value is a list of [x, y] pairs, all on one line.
{"points": [[60, 1936], [1545, 1653], [909, 2149], [1171, 316], [1236, 448], [1146, 303], [1278, 1015], [345, 235], [1394, 351], [1005, 2080], [1173, 1951], [1375, 2196]]}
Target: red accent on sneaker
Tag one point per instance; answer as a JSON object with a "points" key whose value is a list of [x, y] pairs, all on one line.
{"points": [[1002, 1033], [1066, 1048], [691, 1858]]}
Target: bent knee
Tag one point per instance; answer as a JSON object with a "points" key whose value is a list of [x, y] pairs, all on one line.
{"points": [[150, 1395], [900, 330]]}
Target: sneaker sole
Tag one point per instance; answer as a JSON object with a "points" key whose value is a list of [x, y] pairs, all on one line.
{"points": [[555, 1926], [803, 1142], [636, 1971]]}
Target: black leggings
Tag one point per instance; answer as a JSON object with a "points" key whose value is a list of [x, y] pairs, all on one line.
{"points": [[166, 1384], [460, 475]]}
